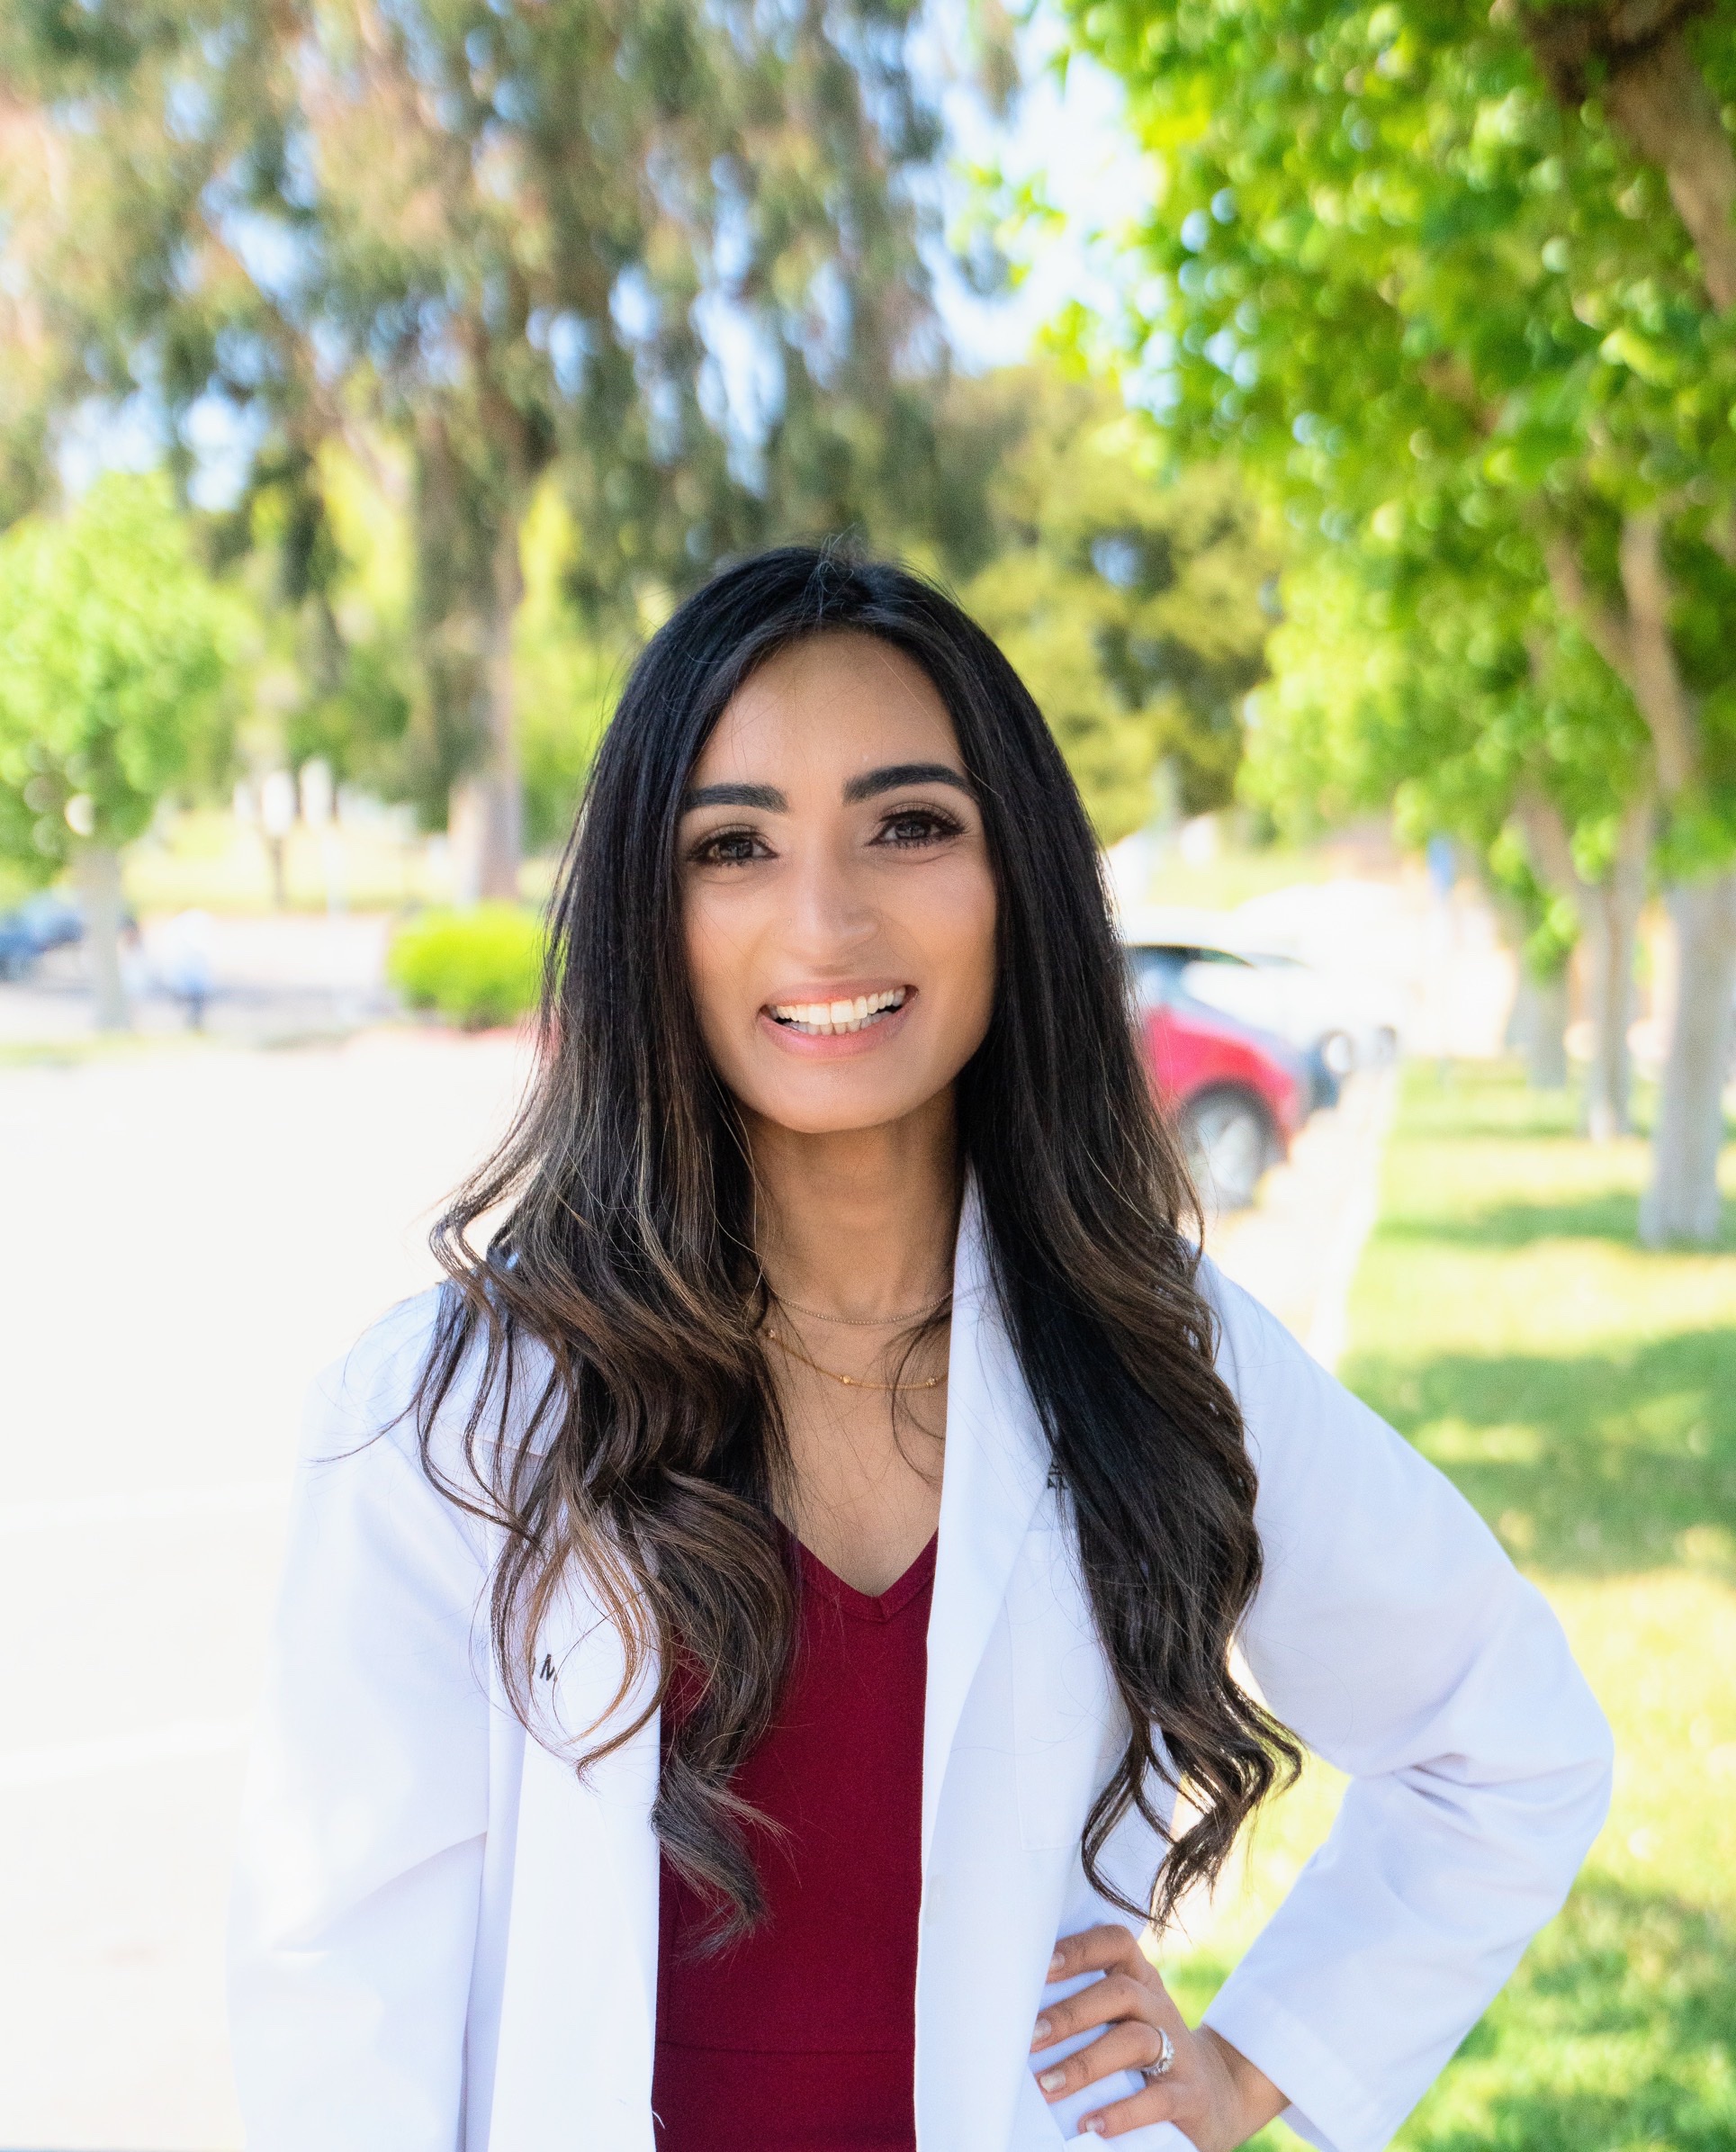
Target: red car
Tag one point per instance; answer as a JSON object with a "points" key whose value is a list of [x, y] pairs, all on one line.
{"points": [[1239, 1095]]}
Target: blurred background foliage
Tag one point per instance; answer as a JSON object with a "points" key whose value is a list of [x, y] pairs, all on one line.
{"points": [[507, 326], [1460, 287], [1135, 599], [1390, 467], [477, 968]]}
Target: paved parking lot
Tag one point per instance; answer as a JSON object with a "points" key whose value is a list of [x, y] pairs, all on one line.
{"points": [[189, 1233]]}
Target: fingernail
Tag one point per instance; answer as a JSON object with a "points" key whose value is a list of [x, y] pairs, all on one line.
{"points": [[1039, 2032], [1052, 2081], [1094, 2128], [1055, 1963]]}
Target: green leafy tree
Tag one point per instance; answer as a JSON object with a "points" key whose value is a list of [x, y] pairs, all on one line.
{"points": [[326, 564], [673, 254], [113, 645], [1441, 695], [569, 670], [1463, 286], [1544, 927], [1130, 597], [357, 632]]}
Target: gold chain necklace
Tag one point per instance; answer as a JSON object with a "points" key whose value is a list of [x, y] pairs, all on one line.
{"points": [[862, 1322], [848, 1382]]}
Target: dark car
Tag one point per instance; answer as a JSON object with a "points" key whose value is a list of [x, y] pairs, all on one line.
{"points": [[30, 930], [1238, 1094]]}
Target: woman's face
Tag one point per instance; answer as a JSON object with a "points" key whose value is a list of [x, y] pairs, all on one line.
{"points": [[837, 898]]}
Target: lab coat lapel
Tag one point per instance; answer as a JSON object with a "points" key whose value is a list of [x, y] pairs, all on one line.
{"points": [[579, 2000], [990, 1905], [996, 1469]]}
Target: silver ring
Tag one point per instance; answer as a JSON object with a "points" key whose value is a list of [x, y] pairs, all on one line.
{"points": [[1152, 2071]]}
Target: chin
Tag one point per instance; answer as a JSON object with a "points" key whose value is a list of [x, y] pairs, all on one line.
{"points": [[833, 1111], [833, 1118]]}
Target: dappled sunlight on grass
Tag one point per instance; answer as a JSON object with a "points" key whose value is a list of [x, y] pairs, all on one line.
{"points": [[1581, 1392], [1615, 2033], [1579, 1389], [1603, 1461]]}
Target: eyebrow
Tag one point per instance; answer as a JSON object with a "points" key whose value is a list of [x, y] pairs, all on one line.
{"points": [[766, 796], [895, 775], [868, 786]]}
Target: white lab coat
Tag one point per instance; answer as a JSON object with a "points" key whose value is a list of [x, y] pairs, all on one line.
{"points": [[445, 1941]]}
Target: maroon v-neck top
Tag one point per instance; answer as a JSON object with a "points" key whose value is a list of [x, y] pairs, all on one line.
{"points": [[801, 2038]]}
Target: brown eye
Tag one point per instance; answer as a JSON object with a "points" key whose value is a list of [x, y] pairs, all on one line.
{"points": [[913, 827], [729, 847]]}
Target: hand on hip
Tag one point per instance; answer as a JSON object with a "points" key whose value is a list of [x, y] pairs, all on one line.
{"points": [[1196, 2080]]}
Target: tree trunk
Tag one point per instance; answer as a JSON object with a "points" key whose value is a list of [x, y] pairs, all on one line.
{"points": [[1609, 960], [1609, 916], [486, 808], [99, 885], [1662, 103], [1682, 1203], [1539, 1029], [1611, 911], [1656, 98]]}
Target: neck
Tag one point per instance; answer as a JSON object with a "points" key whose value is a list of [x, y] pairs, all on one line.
{"points": [[860, 1223]]}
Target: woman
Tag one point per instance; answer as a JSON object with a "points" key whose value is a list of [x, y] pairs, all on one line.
{"points": [[744, 1636]]}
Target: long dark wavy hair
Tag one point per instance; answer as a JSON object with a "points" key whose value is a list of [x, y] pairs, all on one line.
{"points": [[624, 1250]]}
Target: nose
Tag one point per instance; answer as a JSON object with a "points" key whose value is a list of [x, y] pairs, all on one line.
{"points": [[831, 915]]}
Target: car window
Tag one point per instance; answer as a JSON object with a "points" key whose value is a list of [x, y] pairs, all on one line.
{"points": [[1158, 970], [1156, 975]]}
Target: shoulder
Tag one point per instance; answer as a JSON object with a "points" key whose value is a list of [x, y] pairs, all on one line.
{"points": [[1292, 1408], [1249, 1340], [374, 1384], [414, 1390], [1334, 1477], [1304, 1429]]}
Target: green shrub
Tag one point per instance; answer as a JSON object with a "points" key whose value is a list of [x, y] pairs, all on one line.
{"points": [[478, 967]]}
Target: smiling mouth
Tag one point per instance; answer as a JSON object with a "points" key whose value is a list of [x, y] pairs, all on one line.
{"points": [[833, 1019]]}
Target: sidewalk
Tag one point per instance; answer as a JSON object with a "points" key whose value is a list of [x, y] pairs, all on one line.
{"points": [[1297, 1249]]}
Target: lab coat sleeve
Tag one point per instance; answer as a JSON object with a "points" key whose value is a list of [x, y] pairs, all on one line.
{"points": [[1394, 1637], [354, 1912]]}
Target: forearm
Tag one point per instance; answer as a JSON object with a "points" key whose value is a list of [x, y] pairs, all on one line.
{"points": [[1252, 2099]]}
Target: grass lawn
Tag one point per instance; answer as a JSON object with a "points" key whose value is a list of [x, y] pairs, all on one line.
{"points": [[1582, 1393]]}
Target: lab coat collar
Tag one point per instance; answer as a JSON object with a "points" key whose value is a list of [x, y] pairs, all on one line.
{"points": [[997, 1465]]}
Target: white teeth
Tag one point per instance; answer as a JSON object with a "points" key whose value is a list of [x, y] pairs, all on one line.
{"points": [[828, 1018]]}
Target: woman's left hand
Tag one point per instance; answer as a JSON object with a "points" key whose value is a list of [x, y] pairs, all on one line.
{"points": [[1210, 2092]]}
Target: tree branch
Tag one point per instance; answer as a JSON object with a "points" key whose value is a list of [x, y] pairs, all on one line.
{"points": [[1662, 105], [1653, 674], [1603, 626], [1546, 840], [1449, 377], [1657, 99]]}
